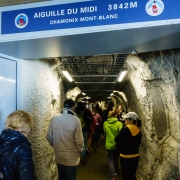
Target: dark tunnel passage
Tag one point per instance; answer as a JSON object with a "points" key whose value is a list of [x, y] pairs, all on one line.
{"points": [[151, 89]]}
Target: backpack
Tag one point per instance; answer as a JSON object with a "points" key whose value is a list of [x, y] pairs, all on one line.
{"points": [[80, 116]]}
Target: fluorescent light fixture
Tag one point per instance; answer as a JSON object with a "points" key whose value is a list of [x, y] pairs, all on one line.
{"points": [[123, 73], [83, 93], [68, 76]]}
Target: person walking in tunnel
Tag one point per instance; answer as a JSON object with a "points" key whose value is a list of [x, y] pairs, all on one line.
{"points": [[65, 136], [97, 121], [15, 151], [111, 129], [100, 112], [120, 113], [128, 141], [89, 135], [87, 119], [80, 111]]}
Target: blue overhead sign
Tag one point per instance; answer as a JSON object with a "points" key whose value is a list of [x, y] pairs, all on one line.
{"points": [[87, 14]]}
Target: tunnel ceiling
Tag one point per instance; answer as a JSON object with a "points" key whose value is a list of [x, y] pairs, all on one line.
{"points": [[96, 76]]}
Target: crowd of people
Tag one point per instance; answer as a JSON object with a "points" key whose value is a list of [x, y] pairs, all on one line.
{"points": [[72, 133]]}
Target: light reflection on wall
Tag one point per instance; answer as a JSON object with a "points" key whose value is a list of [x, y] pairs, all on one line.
{"points": [[8, 89], [10, 80]]}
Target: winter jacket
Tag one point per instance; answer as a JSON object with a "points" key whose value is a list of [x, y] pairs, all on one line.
{"points": [[128, 141], [88, 118], [65, 136], [15, 157], [97, 118], [111, 129]]}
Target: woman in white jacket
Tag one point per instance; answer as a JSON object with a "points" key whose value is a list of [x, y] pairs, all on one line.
{"points": [[65, 136]]}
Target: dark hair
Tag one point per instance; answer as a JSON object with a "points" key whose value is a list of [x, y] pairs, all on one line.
{"points": [[69, 103], [79, 107], [110, 105], [137, 122], [112, 114], [95, 110]]}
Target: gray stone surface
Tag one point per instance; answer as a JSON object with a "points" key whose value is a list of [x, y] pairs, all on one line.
{"points": [[153, 93]]}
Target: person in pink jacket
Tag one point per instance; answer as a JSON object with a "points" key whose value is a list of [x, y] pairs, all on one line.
{"points": [[96, 127]]}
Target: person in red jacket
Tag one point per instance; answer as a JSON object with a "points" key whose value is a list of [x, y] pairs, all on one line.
{"points": [[96, 127]]}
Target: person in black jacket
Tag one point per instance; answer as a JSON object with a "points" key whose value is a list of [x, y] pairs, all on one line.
{"points": [[127, 142], [87, 121], [15, 151]]}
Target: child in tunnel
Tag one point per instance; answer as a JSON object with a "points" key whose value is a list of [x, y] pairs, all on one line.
{"points": [[127, 142], [111, 129]]}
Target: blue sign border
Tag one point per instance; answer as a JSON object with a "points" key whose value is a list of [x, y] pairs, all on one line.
{"points": [[87, 14]]}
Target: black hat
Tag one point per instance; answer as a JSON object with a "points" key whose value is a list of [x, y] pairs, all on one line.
{"points": [[69, 103]]}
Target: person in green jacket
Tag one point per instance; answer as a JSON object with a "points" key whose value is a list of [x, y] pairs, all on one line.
{"points": [[112, 128]]}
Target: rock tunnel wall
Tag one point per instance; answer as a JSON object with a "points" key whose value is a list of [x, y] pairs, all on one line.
{"points": [[39, 95], [153, 91]]}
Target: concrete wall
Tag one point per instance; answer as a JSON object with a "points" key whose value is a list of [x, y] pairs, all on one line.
{"points": [[153, 92], [40, 95]]}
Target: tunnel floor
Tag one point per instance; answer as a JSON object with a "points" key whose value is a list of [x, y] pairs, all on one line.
{"points": [[97, 165]]}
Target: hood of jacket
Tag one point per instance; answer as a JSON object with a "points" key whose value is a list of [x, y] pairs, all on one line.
{"points": [[112, 120], [10, 138], [133, 129]]}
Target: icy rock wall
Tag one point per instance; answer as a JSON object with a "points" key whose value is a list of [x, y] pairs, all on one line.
{"points": [[153, 92], [39, 95]]}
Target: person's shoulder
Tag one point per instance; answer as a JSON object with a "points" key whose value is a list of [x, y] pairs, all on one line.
{"points": [[125, 128], [24, 149], [119, 123], [76, 118], [26, 146], [56, 115]]}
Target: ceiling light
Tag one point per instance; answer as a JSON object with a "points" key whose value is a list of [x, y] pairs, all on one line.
{"points": [[68, 76], [134, 52], [123, 73], [83, 93]]}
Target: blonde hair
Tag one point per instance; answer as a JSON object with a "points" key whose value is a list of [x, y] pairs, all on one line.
{"points": [[112, 113], [20, 121]]}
